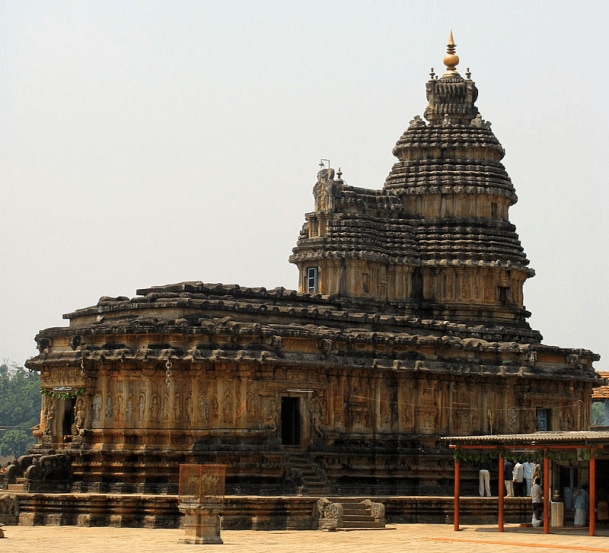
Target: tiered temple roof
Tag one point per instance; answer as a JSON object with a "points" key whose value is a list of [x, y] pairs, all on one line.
{"points": [[437, 236]]}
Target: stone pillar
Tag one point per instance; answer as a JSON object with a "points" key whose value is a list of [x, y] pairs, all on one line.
{"points": [[202, 523], [201, 496]]}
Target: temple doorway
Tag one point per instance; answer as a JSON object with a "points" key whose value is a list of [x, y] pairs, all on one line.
{"points": [[67, 418], [290, 421]]}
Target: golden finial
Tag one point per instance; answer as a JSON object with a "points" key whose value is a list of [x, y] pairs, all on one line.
{"points": [[451, 60]]}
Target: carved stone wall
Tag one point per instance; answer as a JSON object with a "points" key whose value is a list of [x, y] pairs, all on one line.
{"points": [[234, 375]]}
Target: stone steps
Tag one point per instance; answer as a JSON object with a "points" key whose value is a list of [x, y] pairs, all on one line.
{"points": [[312, 482], [352, 515], [358, 515], [18, 486]]}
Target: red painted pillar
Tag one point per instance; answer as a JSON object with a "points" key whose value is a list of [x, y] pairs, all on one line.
{"points": [[457, 490], [592, 486], [501, 494], [546, 493]]}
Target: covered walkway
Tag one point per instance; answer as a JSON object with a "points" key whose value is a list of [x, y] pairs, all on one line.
{"points": [[581, 446]]}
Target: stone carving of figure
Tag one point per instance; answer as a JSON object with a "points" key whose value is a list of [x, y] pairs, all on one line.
{"points": [[97, 404], [166, 407], [154, 408], [49, 418], [118, 412], [227, 408], [215, 406], [270, 416], [109, 408], [317, 414], [323, 191], [416, 122], [188, 408], [513, 420], [141, 408], [177, 407], [204, 409], [79, 417], [251, 403], [326, 346], [129, 411], [566, 419]]}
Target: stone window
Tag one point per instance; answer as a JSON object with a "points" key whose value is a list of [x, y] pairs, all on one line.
{"points": [[543, 419], [365, 283], [494, 210], [311, 281], [504, 295]]}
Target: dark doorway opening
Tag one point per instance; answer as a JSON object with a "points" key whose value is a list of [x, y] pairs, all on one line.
{"points": [[68, 417], [290, 421]]}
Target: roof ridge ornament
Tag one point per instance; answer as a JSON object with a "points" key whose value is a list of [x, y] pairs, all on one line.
{"points": [[451, 60]]}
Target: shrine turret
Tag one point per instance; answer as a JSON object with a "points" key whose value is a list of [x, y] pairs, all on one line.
{"points": [[452, 183], [437, 238]]}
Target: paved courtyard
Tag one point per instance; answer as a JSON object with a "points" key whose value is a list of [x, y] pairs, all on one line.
{"points": [[399, 537]]}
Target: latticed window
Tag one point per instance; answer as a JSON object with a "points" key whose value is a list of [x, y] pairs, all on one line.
{"points": [[543, 419], [311, 282]]}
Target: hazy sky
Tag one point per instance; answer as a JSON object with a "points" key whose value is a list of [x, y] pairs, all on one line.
{"points": [[152, 142]]}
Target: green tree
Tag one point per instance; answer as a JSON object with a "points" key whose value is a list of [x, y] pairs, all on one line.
{"points": [[14, 442], [598, 413], [19, 408]]}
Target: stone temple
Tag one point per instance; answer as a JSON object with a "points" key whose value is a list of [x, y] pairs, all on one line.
{"points": [[408, 325]]}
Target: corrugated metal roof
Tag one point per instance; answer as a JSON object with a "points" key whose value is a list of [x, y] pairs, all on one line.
{"points": [[536, 439]]}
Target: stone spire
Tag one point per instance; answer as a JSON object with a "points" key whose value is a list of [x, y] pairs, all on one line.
{"points": [[437, 238], [451, 180], [451, 60]]}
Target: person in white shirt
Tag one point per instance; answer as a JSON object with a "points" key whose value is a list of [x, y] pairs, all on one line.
{"points": [[518, 477], [537, 495], [528, 467]]}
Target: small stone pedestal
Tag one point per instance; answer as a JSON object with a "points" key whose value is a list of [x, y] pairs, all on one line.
{"points": [[200, 499], [202, 523]]}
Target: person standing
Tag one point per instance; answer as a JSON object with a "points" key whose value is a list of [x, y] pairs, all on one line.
{"points": [[537, 495], [485, 478], [508, 477], [581, 506], [528, 468], [518, 477]]}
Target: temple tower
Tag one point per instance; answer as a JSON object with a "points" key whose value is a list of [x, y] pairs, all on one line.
{"points": [[437, 238]]}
